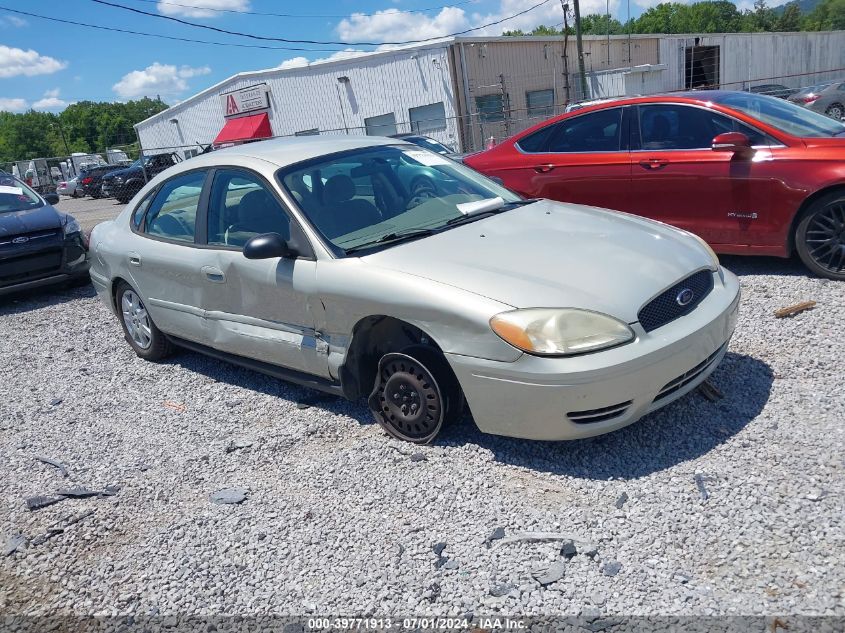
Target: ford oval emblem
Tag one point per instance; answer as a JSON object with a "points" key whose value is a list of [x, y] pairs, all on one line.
{"points": [[684, 297], [20, 240]]}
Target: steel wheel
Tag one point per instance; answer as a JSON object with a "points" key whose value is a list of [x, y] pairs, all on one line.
{"points": [[836, 111], [825, 238], [136, 319], [407, 400]]}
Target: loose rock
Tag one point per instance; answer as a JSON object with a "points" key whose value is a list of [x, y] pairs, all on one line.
{"points": [[229, 496]]}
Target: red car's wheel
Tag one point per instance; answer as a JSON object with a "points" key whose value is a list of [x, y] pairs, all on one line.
{"points": [[820, 236]]}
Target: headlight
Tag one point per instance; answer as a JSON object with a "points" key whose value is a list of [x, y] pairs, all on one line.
{"points": [[713, 257], [560, 331], [71, 226]]}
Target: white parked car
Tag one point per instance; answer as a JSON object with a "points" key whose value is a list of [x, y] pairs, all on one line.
{"points": [[68, 188]]}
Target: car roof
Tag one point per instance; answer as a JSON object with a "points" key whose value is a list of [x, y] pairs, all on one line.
{"points": [[290, 150]]}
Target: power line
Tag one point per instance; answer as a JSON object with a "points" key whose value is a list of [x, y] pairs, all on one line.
{"points": [[320, 42], [169, 37], [295, 15]]}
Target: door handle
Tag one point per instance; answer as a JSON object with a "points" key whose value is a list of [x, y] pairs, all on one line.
{"points": [[654, 163], [542, 169], [134, 259], [214, 274]]}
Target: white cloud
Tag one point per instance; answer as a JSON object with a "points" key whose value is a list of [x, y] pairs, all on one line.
{"points": [[201, 8], [13, 21], [16, 61], [347, 53], [51, 101], [393, 25], [157, 79], [12, 105]]}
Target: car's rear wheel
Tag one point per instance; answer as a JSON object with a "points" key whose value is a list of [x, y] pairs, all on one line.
{"points": [[835, 111], [138, 328], [415, 394], [820, 236]]}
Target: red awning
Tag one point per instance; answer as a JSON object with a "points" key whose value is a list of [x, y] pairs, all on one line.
{"points": [[245, 128]]}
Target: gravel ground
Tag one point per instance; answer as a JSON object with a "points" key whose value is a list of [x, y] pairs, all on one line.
{"points": [[89, 211], [733, 507]]}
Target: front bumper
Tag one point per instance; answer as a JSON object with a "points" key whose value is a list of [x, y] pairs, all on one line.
{"points": [[582, 396], [54, 261]]}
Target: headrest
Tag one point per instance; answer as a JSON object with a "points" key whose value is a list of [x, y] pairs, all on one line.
{"points": [[339, 188]]}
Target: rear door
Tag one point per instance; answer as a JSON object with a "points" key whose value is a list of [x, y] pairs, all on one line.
{"points": [[582, 159], [679, 179], [162, 256]]}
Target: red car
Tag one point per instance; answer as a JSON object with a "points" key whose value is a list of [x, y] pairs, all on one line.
{"points": [[751, 174]]}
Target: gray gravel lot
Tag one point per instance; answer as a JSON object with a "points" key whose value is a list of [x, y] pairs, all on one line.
{"points": [[733, 507], [89, 211]]}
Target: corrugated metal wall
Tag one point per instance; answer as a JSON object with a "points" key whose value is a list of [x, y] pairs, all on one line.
{"points": [[517, 65], [747, 59], [312, 97]]}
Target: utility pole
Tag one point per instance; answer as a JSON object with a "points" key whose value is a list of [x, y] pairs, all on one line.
{"points": [[565, 8], [580, 45], [58, 124]]}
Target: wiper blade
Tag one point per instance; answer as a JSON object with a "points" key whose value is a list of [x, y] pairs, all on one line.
{"points": [[392, 237], [472, 217]]}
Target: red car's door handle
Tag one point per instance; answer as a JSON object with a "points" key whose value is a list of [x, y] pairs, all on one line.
{"points": [[542, 169], [654, 163]]}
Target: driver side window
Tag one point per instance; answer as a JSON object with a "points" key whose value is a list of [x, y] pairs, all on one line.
{"points": [[241, 207], [172, 214]]}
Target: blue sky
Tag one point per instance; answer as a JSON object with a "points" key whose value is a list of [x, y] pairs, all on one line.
{"points": [[46, 65]]}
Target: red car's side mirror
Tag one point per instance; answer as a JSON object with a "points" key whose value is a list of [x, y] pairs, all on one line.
{"points": [[736, 142]]}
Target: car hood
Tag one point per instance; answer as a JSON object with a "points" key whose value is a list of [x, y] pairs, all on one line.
{"points": [[123, 173], [550, 254], [29, 220]]}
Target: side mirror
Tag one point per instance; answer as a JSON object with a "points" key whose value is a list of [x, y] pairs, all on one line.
{"points": [[268, 246], [51, 198], [736, 142]]}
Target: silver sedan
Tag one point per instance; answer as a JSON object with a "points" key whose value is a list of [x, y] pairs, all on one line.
{"points": [[310, 260]]}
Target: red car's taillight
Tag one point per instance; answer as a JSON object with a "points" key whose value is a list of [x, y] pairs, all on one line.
{"points": [[809, 98], [86, 181]]}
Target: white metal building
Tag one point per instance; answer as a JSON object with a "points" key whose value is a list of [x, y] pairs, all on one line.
{"points": [[380, 93]]}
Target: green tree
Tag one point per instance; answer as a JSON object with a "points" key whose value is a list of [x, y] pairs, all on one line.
{"points": [[790, 19], [598, 24], [829, 15]]}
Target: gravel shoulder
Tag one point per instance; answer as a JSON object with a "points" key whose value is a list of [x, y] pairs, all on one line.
{"points": [[88, 211], [702, 508]]}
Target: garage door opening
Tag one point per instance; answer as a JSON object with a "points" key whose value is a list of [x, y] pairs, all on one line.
{"points": [[701, 68]]}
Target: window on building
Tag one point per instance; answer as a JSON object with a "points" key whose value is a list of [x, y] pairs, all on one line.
{"points": [[312, 132], [173, 212], [541, 103], [381, 125], [491, 108], [190, 153], [428, 118]]}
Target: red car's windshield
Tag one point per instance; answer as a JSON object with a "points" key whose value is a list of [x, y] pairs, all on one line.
{"points": [[782, 115]]}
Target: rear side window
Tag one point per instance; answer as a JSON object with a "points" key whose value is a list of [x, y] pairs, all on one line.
{"points": [[140, 210], [594, 132], [173, 212]]}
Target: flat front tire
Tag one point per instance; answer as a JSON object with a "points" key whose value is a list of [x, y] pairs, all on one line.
{"points": [[139, 330], [820, 236], [415, 394]]}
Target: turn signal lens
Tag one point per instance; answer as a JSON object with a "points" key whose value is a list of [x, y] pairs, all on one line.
{"points": [[560, 331]]}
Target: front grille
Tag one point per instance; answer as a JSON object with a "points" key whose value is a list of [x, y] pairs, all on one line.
{"points": [[665, 308], [36, 238], [21, 268], [599, 415], [687, 377]]}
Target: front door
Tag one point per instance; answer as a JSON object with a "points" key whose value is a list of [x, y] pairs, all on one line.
{"points": [[257, 308], [679, 179], [581, 159]]}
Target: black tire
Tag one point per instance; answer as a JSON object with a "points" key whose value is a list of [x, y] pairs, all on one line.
{"points": [[159, 346], [415, 394], [820, 236]]}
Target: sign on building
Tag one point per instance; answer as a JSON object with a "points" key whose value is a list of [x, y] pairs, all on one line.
{"points": [[246, 100]]}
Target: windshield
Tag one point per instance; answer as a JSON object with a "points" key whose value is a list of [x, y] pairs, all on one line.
{"points": [[374, 194], [783, 115], [16, 196], [428, 143]]}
